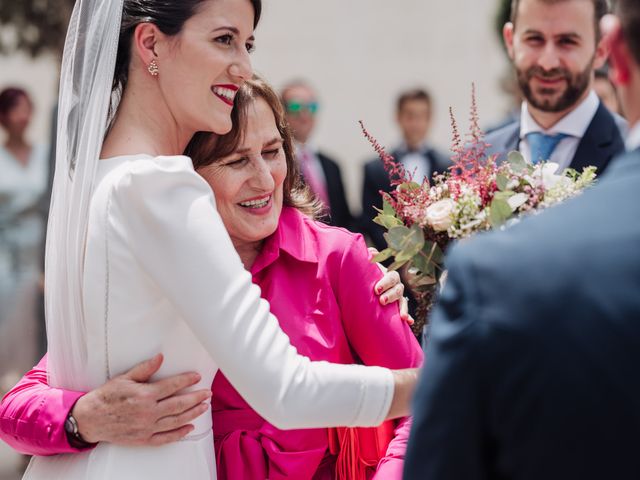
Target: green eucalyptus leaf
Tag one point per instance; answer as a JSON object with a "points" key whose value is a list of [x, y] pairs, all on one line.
{"points": [[397, 265], [504, 195], [421, 263], [415, 241], [387, 221], [384, 255], [499, 212], [387, 209], [438, 255], [428, 246], [404, 256], [502, 181], [411, 242], [433, 253], [395, 237], [424, 281], [517, 162], [408, 186]]}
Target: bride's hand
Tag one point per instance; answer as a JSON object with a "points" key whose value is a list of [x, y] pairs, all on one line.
{"points": [[390, 289], [404, 387], [130, 410]]}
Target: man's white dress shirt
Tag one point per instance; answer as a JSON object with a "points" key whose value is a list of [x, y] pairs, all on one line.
{"points": [[633, 139], [574, 124]]}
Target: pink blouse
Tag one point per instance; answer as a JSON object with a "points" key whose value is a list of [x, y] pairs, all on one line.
{"points": [[319, 281]]}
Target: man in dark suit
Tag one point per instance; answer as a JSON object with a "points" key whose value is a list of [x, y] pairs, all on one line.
{"points": [[321, 172], [414, 112], [561, 119], [531, 368]]}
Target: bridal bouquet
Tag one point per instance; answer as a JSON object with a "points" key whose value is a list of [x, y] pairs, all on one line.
{"points": [[475, 195]]}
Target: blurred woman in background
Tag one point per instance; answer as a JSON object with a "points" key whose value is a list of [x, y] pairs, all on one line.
{"points": [[23, 182]]}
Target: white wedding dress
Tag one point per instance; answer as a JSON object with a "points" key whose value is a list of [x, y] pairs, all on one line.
{"points": [[161, 275]]}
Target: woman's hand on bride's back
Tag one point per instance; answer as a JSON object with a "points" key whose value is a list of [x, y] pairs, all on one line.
{"points": [[130, 410]]}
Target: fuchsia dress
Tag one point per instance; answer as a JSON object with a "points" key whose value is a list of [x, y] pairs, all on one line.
{"points": [[319, 281]]}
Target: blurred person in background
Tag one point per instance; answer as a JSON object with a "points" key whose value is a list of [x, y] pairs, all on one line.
{"points": [[414, 117], [555, 47], [320, 171], [414, 112], [23, 182], [606, 91]]}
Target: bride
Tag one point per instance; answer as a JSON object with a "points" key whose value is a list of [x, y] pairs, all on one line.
{"points": [[136, 249]]}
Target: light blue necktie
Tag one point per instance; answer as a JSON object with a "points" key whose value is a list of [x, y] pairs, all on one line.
{"points": [[543, 145]]}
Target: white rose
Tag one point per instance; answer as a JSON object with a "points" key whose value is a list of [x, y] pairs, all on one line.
{"points": [[517, 200], [552, 176], [549, 177], [439, 214]]}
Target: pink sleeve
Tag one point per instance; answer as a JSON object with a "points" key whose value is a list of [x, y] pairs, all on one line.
{"points": [[390, 467], [32, 414], [377, 335]]}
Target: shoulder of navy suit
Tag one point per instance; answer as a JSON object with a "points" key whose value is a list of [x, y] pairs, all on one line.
{"points": [[374, 170], [504, 140], [373, 165], [602, 141], [327, 162], [441, 160]]}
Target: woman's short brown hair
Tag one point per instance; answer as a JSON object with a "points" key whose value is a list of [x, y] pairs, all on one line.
{"points": [[206, 148]]}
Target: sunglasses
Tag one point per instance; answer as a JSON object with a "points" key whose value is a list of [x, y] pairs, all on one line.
{"points": [[297, 107]]}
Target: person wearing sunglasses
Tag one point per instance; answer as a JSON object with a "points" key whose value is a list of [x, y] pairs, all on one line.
{"points": [[320, 172]]}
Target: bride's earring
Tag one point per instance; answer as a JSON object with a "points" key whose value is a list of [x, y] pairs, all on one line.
{"points": [[153, 68]]}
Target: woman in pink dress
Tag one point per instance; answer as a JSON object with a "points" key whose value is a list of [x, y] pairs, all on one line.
{"points": [[320, 283], [318, 280]]}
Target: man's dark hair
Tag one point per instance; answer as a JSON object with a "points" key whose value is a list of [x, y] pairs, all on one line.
{"points": [[9, 98], [601, 8], [415, 94], [628, 12]]}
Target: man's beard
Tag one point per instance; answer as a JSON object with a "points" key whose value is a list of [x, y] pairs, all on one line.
{"points": [[576, 86]]}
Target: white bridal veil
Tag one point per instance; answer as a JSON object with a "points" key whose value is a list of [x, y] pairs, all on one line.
{"points": [[88, 65]]}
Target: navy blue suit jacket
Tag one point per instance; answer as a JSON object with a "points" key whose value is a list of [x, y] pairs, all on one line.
{"points": [[531, 367], [340, 215], [602, 141], [376, 180]]}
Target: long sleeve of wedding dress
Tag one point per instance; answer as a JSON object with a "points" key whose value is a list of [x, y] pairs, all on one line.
{"points": [[177, 236]]}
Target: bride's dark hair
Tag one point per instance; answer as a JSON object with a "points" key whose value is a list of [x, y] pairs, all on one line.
{"points": [[169, 17]]}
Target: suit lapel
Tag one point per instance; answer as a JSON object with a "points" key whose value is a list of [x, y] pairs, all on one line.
{"points": [[329, 178], [600, 143], [506, 141]]}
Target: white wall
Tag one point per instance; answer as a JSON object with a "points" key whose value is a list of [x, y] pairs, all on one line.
{"points": [[359, 54]]}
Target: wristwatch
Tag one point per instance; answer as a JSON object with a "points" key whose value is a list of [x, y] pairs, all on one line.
{"points": [[73, 435]]}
